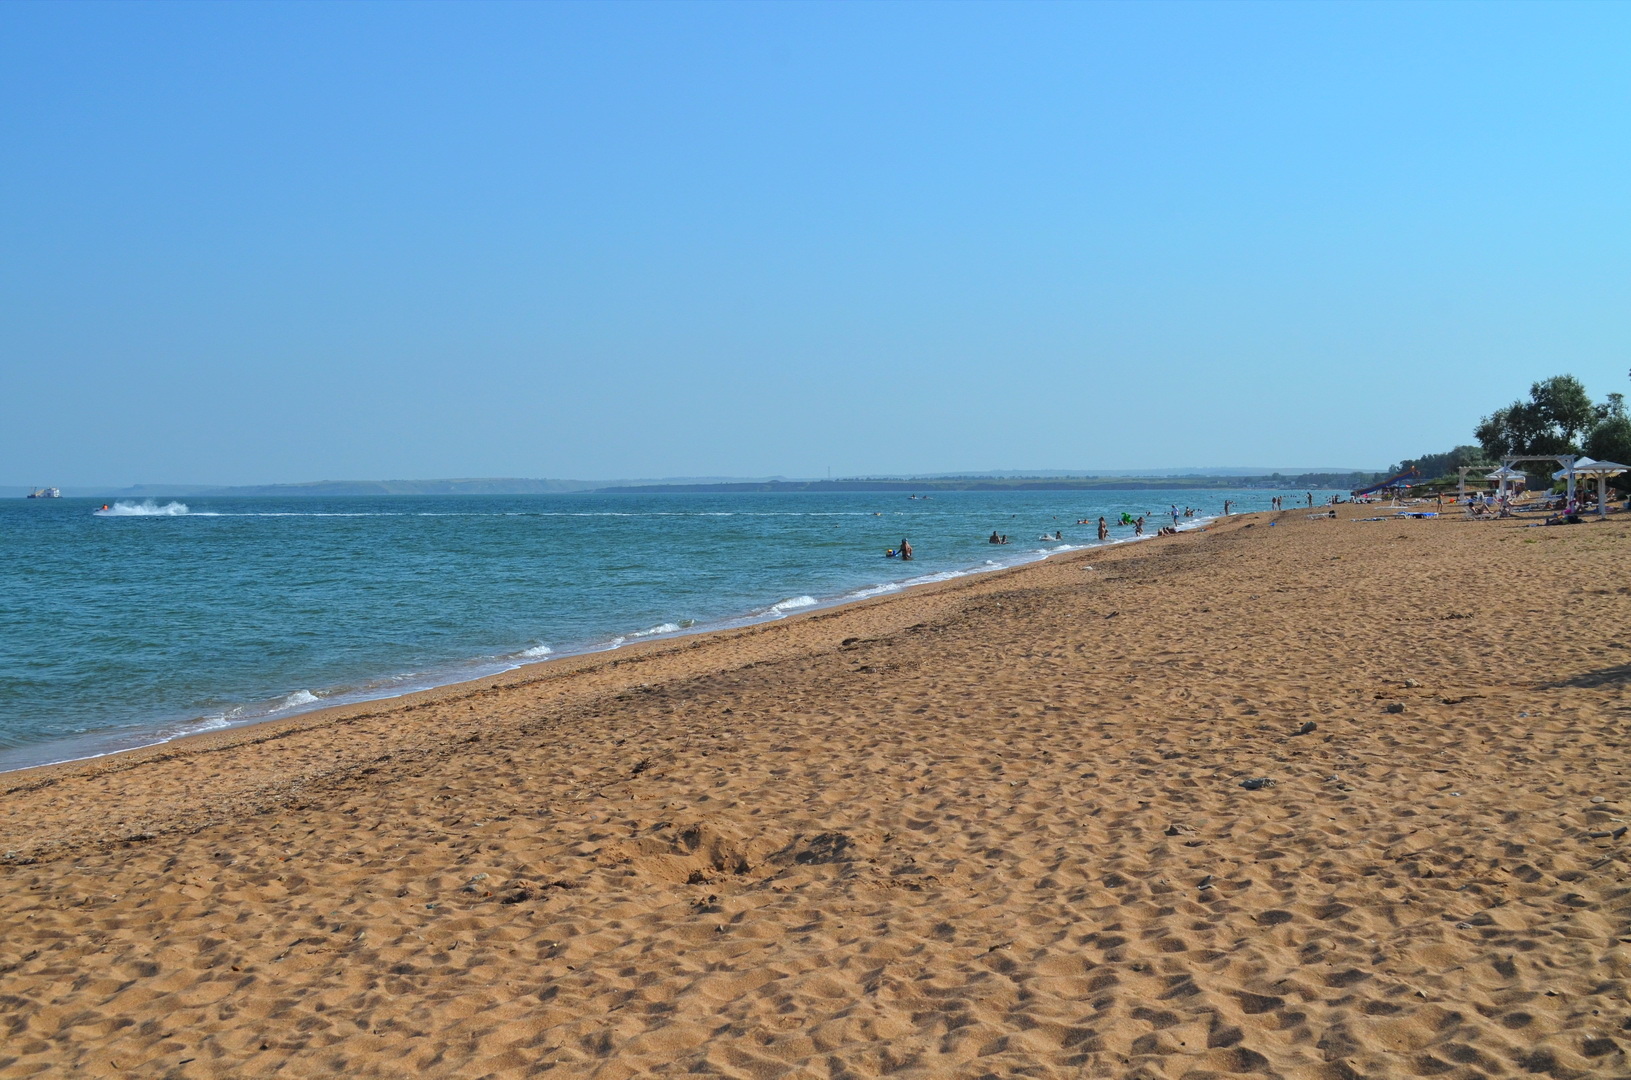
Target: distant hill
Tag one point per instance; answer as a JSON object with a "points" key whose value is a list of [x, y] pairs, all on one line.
{"points": [[348, 488], [1219, 470], [354, 488], [995, 480], [923, 485]]}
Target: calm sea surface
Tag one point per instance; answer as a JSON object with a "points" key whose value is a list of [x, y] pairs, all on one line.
{"points": [[172, 617]]}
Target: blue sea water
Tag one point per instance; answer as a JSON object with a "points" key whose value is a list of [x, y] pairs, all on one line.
{"points": [[168, 618]]}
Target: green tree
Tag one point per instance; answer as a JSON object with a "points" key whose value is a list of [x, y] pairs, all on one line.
{"points": [[1610, 439], [1429, 466], [1553, 420]]}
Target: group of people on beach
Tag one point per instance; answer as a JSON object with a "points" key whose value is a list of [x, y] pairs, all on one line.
{"points": [[1278, 502], [1137, 524]]}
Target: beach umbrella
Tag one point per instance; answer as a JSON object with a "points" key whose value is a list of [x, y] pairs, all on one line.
{"points": [[1581, 464], [1601, 470], [1505, 475]]}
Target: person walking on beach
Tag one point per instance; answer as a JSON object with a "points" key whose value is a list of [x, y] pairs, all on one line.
{"points": [[1310, 500], [1104, 531]]}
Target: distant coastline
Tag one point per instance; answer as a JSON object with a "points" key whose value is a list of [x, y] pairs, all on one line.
{"points": [[1112, 480], [920, 486]]}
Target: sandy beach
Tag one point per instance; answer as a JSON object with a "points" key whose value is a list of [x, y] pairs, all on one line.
{"points": [[995, 827]]}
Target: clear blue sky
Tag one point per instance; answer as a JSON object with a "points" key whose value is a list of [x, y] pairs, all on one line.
{"points": [[245, 243]]}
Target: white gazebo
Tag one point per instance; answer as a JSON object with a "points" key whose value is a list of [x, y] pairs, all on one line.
{"points": [[1601, 470]]}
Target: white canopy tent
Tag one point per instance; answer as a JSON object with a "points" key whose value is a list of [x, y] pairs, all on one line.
{"points": [[1601, 470]]}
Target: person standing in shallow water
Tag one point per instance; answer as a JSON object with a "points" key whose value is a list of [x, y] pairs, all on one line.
{"points": [[905, 549], [1104, 531]]}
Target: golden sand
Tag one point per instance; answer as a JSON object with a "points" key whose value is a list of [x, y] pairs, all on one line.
{"points": [[993, 828]]}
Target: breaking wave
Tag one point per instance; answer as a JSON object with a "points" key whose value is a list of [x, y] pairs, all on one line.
{"points": [[295, 700]]}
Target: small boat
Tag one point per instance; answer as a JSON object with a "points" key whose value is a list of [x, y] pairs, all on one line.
{"points": [[45, 493]]}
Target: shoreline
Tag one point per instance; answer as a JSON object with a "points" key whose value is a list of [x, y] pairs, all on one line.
{"points": [[567, 663], [553, 671], [506, 664], [1321, 800]]}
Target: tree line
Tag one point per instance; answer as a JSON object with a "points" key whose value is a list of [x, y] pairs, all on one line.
{"points": [[1558, 417]]}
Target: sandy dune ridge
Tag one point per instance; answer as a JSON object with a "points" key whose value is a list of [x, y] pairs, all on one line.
{"points": [[995, 827]]}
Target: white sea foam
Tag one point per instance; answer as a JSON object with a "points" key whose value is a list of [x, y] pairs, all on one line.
{"points": [[944, 575], [146, 508], [212, 723], [665, 628], [295, 700], [538, 650], [794, 604]]}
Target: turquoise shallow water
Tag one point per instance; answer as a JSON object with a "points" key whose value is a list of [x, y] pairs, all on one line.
{"points": [[170, 618]]}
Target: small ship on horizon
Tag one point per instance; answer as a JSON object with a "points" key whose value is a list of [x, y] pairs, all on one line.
{"points": [[45, 493]]}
